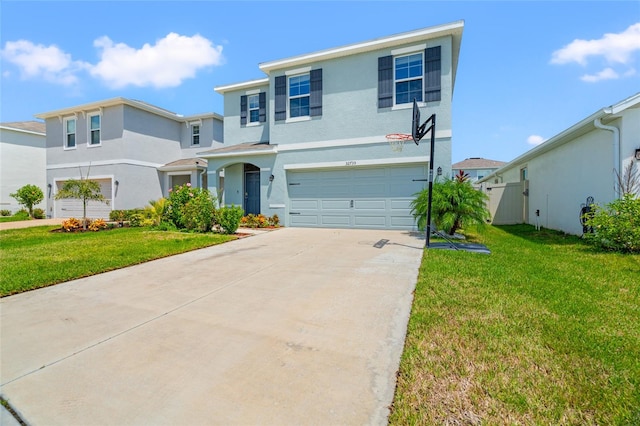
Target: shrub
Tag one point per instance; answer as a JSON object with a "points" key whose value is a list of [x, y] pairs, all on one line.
{"points": [[22, 215], [155, 210], [165, 226], [228, 218], [118, 215], [71, 224], [617, 226], [97, 225], [38, 214], [178, 198], [259, 221], [28, 196], [274, 220], [5, 212], [198, 213]]}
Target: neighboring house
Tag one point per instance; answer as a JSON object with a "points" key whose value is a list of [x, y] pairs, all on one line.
{"points": [[307, 142], [476, 167], [22, 160], [136, 151], [549, 185]]}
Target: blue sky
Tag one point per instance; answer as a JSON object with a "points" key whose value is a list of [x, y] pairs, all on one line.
{"points": [[527, 70]]}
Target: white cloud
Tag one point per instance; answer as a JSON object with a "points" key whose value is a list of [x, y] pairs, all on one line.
{"points": [[165, 64], [535, 140], [615, 48], [39, 61], [605, 74]]}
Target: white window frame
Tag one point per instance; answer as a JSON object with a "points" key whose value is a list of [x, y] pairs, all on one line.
{"points": [[257, 108], [397, 80], [90, 130], [65, 134], [193, 134], [289, 98]]}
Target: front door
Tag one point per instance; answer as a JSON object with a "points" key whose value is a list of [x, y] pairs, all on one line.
{"points": [[251, 190]]}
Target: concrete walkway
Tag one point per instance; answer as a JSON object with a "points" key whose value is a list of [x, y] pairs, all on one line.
{"points": [[296, 326], [29, 223]]}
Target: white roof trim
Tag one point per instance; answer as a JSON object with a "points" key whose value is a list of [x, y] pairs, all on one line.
{"points": [[357, 163], [271, 151], [379, 43], [14, 129], [90, 107], [242, 85]]}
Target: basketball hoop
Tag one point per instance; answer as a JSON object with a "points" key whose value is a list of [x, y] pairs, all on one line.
{"points": [[397, 140]]}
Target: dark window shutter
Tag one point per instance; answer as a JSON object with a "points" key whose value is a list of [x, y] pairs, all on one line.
{"points": [[385, 81], [262, 99], [432, 74], [315, 99], [243, 110], [281, 98]]}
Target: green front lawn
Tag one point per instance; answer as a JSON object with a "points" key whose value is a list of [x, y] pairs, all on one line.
{"points": [[35, 257], [543, 331]]}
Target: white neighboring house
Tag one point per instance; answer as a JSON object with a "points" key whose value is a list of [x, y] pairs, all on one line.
{"points": [[550, 184], [23, 160]]}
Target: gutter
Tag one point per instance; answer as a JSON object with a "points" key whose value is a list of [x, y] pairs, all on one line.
{"points": [[616, 146]]}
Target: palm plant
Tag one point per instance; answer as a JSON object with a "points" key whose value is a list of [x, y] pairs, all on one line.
{"points": [[455, 204]]}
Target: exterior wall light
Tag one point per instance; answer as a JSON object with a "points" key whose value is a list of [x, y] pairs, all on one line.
{"points": [[637, 155], [439, 171], [271, 178]]}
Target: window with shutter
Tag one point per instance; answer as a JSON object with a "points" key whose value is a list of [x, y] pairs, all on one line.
{"points": [[280, 106], [243, 110]]}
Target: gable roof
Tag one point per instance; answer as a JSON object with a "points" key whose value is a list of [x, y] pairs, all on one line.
{"points": [[26, 126], [586, 125], [94, 106], [453, 29], [477, 163]]}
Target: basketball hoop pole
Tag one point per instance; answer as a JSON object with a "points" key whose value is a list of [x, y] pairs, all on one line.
{"points": [[431, 129]]}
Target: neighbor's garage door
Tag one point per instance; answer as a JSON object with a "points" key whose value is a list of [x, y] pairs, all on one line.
{"points": [[70, 207], [377, 198]]}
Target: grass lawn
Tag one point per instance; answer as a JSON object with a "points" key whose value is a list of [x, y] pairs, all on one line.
{"points": [[543, 331], [34, 257]]}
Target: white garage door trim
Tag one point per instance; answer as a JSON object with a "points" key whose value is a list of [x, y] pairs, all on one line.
{"points": [[356, 197], [68, 207]]}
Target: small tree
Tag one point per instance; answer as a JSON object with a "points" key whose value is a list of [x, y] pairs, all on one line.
{"points": [[455, 204], [616, 226], [83, 189], [28, 196]]}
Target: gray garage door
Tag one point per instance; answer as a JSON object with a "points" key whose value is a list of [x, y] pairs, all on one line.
{"points": [[376, 198], [69, 207]]}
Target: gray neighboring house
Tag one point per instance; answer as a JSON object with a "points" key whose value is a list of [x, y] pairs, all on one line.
{"points": [[136, 151], [23, 160], [549, 184], [307, 142], [476, 167]]}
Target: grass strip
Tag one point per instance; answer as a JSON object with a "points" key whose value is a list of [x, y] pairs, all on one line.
{"points": [[35, 257], [545, 330]]}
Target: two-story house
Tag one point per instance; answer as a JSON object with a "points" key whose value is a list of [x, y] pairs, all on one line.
{"points": [[136, 151], [308, 141]]}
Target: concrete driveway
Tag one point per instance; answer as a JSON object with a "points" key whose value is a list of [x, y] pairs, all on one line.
{"points": [[295, 326]]}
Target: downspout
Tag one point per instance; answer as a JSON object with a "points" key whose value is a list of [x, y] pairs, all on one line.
{"points": [[616, 148]]}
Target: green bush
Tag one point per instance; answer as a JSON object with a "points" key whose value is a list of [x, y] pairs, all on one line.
{"points": [[617, 226], [178, 199], [198, 212], [228, 218], [5, 212], [22, 215], [118, 215], [38, 214]]}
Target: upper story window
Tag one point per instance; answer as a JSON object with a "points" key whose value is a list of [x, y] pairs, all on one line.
{"points": [[69, 133], [195, 134], [299, 91], [254, 108], [298, 94], [94, 130], [409, 75]]}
